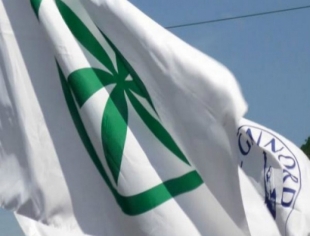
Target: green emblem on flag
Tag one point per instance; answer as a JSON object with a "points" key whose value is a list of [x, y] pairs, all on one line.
{"points": [[84, 83]]}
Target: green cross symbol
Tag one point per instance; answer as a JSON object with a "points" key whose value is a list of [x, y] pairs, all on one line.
{"points": [[84, 83]]}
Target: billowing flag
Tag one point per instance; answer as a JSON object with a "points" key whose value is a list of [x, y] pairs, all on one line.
{"points": [[280, 172], [34, 228], [110, 125]]}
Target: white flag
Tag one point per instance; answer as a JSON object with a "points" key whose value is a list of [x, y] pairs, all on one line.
{"points": [[280, 172], [113, 126]]}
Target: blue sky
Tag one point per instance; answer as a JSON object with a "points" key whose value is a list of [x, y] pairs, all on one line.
{"points": [[269, 56]]}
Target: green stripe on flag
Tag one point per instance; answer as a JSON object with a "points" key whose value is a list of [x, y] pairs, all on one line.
{"points": [[84, 36], [159, 194], [36, 6]]}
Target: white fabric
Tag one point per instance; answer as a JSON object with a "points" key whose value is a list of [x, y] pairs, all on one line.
{"points": [[34, 228], [280, 172]]}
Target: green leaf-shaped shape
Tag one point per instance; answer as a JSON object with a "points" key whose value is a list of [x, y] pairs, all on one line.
{"points": [[114, 130]]}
